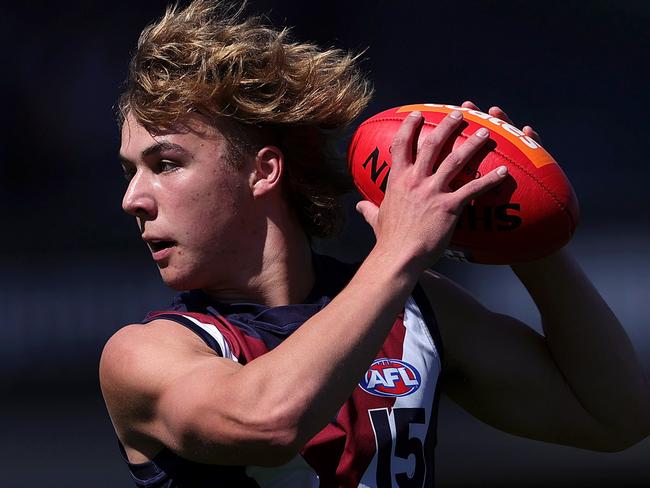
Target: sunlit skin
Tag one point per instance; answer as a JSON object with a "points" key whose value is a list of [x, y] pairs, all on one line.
{"points": [[202, 218]]}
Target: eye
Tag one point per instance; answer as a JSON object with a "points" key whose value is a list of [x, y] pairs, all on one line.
{"points": [[166, 166]]}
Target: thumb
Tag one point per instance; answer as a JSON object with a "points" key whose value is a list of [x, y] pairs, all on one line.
{"points": [[369, 212]]}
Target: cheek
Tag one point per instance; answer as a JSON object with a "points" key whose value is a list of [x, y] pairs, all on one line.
{"points": [[217, 209]]}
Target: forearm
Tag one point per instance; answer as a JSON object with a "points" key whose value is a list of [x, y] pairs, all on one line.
{"points": [[589, 345], [314, 371]]}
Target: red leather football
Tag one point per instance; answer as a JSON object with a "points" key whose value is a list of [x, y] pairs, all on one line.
{"points": [[533, 213]]}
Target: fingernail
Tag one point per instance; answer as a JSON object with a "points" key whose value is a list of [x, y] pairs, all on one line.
{"points": [[482, 132], [502, 170], [415, 114], [456, 115]]}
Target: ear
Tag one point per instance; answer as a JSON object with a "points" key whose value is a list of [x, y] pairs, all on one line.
{"points": [[266, 175]]}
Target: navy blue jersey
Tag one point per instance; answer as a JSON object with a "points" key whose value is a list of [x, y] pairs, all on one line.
{"points": [[382, 436]]}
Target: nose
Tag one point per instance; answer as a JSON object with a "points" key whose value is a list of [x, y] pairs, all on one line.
{"points": [[139, 198]]}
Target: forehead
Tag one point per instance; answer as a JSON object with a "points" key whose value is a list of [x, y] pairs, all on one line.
{"points": [[194, 134]]}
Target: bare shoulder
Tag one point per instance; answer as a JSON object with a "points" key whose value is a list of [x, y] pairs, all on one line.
{"points": [[138, 349], [137, 363]]}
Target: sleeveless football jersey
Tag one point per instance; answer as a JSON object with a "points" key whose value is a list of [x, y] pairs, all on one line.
{"points": [[384, 434]]}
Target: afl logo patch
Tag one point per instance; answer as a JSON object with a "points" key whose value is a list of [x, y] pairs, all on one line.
{"points": [[390, 378]]}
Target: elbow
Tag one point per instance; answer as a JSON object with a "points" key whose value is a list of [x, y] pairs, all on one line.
{"points": [[636, 429], [627, 440], [277, 425], [620, 439], [275, 432], [255, 436], [616, 444]]}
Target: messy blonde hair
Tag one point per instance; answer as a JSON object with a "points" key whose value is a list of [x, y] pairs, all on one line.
{"points": [[205, 58]]}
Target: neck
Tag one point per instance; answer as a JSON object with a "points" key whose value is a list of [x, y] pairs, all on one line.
{"points": [[288, 274], [285, 274]]}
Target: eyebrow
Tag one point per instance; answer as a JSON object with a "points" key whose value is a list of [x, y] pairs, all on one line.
{"points": [[158, 147]]}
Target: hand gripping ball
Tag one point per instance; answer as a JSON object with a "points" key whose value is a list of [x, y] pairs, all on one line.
{"points": [[533, 213]]}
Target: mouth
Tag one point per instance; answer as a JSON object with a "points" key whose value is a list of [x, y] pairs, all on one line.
{"points": [[161, 249], [159, 245]]}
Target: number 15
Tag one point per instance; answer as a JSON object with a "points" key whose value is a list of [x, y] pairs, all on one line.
{"points": [[405, 445]]}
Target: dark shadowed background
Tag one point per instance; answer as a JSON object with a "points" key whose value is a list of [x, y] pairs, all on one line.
{"points": [[74, 269]]}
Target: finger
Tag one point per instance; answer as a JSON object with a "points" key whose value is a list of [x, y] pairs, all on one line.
{"points": [[401, 148], [500, 114], [480, 185], [457, 159], [434, 141], [468, 104], [530, 132], [368, 211]]}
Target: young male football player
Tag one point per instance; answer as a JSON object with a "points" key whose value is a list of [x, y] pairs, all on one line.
{"points": [[279, 367]]}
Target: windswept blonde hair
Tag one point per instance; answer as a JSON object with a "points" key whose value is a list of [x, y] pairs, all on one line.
{"points": [[206, 58]]}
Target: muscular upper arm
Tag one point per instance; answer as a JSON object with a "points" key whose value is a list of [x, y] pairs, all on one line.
{"points": [[162, 384], [501, 371]]}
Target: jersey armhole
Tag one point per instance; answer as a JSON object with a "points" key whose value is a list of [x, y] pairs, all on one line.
{"points": [[207, 331]]}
